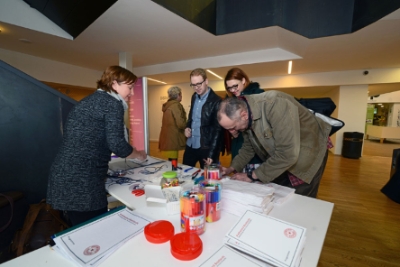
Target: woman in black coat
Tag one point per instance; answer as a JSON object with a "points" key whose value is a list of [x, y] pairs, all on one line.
{"points": [[93, 131]]}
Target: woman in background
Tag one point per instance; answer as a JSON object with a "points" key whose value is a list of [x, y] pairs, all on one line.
{"points": [[172, 136], [237, 83], [93, 131]]}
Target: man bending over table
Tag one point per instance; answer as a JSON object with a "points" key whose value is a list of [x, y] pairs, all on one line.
{"points": [[290, 140]]}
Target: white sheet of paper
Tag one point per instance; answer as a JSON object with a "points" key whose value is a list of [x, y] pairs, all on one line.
{"points": [[148, 161], [264, 236], [93, 242], [229, 257]]}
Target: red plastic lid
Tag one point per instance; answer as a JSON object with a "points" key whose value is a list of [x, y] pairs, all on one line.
{"points": [[159, 231], [186, 246]]}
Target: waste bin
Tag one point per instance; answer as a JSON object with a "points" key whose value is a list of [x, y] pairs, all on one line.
{"points": [[352, 144]]}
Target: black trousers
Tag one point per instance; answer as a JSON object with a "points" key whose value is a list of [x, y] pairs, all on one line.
{"points": [[193, 155], [77, 217], [309, 190]]}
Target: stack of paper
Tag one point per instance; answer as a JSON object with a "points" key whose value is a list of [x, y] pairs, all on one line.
{"points": [[269, 239], [228, 257], [281, 193], [239, 196], [91, 243]]}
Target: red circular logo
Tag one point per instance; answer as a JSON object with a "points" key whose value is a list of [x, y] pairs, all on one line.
{"points": [[289, 232], [91, 250]]}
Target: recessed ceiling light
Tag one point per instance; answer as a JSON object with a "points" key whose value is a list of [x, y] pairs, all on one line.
{"points": [[154, 80], [26, 41], [219, 77], [290, 67]]}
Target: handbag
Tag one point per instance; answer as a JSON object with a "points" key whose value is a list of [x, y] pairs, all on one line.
{"points": [[323, 108], [336, 124]]}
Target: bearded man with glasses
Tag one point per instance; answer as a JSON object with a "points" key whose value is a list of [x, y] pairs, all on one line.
{"points": [[203, 131], [290, 140]]}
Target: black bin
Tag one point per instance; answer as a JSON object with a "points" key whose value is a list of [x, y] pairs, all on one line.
{"points": [[352, 144]]}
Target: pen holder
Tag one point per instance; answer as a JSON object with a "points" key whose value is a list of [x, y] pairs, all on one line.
{"points": [[212, 190], [193, 210], [211, 172]]}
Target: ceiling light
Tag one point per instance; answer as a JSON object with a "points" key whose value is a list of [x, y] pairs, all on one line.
{"points": [[290, 67], [154, 80], [219, 77]]}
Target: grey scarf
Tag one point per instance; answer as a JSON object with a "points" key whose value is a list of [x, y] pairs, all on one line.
{"points": [[124, 104]]}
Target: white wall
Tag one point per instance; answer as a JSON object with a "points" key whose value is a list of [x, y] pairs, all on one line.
{"points": [[352, 77], [50, 70], [393, 97], [352, 110]]}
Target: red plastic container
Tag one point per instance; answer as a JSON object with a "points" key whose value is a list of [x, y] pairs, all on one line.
{"points": [[186, 246], [159, 231]]}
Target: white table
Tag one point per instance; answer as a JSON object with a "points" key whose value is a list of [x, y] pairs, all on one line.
{"points": [[311, 213]]}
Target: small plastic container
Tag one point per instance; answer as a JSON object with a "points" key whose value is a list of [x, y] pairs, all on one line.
{"points": [[212, 190], [193, 210], [211, 172], [186, 246], [159, 232], [169, 179]]}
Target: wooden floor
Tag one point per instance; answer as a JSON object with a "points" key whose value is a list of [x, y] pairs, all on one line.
{"points": [[373, 147], [365, 224]]}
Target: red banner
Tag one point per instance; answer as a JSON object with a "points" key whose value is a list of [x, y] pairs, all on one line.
{"points": [[136, 116]]}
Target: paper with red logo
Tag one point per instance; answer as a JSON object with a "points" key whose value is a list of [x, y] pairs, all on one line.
{"points": [[229, 257], [267, 238], [91, 243]]}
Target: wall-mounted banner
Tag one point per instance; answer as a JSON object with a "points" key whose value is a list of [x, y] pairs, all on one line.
{"points": [[138, 115]]}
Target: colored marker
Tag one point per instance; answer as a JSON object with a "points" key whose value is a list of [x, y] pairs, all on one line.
{"points": [[195, 174], [188, 169]]}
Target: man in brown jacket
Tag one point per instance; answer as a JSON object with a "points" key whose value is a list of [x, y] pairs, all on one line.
{"points": [[291, 141], [172, 136]]}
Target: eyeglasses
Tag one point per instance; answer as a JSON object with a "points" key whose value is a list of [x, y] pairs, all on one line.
{"points": [[196, 84], [232, 88]]}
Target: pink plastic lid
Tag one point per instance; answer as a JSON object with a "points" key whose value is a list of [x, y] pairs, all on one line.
{"points": [[159, 231], [186, 246]]}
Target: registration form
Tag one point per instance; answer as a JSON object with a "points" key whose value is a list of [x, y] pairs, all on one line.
{"points": [[93, 242]]}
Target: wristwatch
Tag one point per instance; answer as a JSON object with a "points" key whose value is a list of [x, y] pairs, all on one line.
{"points": [[250, 175]]}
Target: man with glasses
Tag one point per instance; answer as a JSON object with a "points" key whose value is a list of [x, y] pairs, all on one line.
{"points": [[290, 140], [203, 131]]}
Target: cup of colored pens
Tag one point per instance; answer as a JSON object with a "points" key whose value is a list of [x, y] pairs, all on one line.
{"points": [[193, 210], [211, 172], [212, 190]]}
